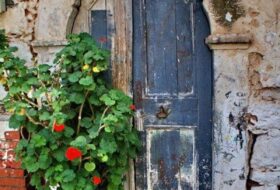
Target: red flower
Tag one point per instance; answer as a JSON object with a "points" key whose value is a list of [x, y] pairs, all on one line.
{"points": [[132, 107], [102, 39], [96, 180], [58, 127], [72, 153]]}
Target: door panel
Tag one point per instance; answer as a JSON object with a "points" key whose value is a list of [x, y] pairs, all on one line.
{"points": [[172, 92], [170, 159], [166, 28]]}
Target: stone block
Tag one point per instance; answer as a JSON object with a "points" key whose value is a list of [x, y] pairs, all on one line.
{"points": [[266, 153], [265, 188], [266, 177], [268, 117], [23, 51], [14, 21], [265, 161], [269, 72]]}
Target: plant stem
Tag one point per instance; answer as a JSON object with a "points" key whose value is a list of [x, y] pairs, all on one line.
{"points": [[27, 100], [21, 132], [103, 114], [35, 122], [80, 164], [91, 109], [46, 93], [101, 127], [87, 158], [80, 114]]}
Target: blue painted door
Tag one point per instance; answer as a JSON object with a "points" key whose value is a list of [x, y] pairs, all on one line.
{"points": [[172, 85]]}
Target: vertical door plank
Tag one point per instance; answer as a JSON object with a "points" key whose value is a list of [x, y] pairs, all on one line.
{"points": [[122, 60], [161, 47], [184, 48]]}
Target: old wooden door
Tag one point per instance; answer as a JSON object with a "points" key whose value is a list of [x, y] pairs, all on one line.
{"points": [[172, 92]]}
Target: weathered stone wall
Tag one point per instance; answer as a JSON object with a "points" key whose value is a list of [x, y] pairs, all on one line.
{"points": [[245, 42], [247, 93]]}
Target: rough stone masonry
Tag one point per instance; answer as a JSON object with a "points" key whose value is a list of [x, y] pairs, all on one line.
{"points": [[245, 41]]}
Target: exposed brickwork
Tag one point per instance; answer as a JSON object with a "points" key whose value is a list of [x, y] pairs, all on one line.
{"points": [[11, 176]]}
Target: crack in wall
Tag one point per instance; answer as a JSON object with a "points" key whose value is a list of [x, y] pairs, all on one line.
{"points": [[257, 92], [31, 15], [27, 36], [252, 138]]}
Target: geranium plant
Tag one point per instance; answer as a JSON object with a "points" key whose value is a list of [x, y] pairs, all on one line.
{"points": [[76, 131]]}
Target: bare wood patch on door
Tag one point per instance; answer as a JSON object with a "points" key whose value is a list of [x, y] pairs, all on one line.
{"points": [[171, 162]]}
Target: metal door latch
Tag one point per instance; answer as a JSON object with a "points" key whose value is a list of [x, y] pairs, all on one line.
{"points": [[163, 112]]}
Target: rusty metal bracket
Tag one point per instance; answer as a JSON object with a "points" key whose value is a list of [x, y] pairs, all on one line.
{"points": [[163, 112]]}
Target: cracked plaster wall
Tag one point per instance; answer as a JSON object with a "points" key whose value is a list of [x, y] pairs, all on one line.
{"points": [[246, 81], [247, 96]]}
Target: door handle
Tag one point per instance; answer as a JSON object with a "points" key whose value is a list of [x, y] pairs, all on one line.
{"points": [[163, 112]]}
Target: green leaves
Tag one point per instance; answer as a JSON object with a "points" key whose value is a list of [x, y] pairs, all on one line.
{"points": [[43, 68], [74, 77], [93, 132], [86, 81], [80, 141], [3, 40], [108, 145], [77, 98], [89, 166], [68, 175], [30, 164], [59, 155], [86, 122], [38, 141], [44, 161], [72, 92], [14, 122], [107, 100], [44, 116]]}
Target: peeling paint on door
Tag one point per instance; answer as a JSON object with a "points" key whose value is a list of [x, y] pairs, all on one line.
{"points": [[172, 92], [171, 163]]}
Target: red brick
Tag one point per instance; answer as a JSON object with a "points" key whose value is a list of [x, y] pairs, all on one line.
{"points": [[8, 144], [9, 164], [2, 154], [14, 164], [12, 135], [12, 188], [11, 155], [13, 182], [11, 173], [2, 143]]}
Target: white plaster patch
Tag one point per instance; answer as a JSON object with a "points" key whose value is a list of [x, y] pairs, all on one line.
{"points": [[228, 16], [4, 126], [270, 38]]}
